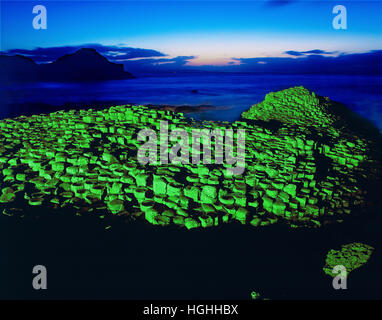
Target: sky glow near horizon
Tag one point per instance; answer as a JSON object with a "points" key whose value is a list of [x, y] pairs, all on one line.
{"points": [[213, 32]]}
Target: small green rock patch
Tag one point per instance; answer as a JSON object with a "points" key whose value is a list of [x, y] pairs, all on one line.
{"points": [[351, 256]]}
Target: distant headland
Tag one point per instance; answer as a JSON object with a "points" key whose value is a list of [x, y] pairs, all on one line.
{"points": [[83, 65]]}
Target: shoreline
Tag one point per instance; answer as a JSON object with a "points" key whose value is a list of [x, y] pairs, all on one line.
{"points": [[35, 108], [15, 110]]}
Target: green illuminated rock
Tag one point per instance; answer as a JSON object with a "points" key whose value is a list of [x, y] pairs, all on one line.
{"points": [[306, 164], [351, 256]]}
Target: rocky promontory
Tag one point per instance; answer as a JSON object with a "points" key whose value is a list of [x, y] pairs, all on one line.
{"points": [[308, 162], [85, 64]]}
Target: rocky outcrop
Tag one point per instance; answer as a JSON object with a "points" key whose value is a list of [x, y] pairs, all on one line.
{"points": [[351, 256], [302, 168]]}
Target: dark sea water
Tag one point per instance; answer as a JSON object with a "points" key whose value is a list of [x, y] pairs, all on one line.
{"points": [[234, 92]]}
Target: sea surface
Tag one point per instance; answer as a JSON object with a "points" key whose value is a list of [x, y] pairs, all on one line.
{"points": [[233, 92]]}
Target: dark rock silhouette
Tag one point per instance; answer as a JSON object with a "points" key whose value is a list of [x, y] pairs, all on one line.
{"points": [[17, 68], [82, 65]]}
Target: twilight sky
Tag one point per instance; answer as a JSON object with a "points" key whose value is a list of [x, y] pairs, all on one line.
{"points": [[192, 33]]}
